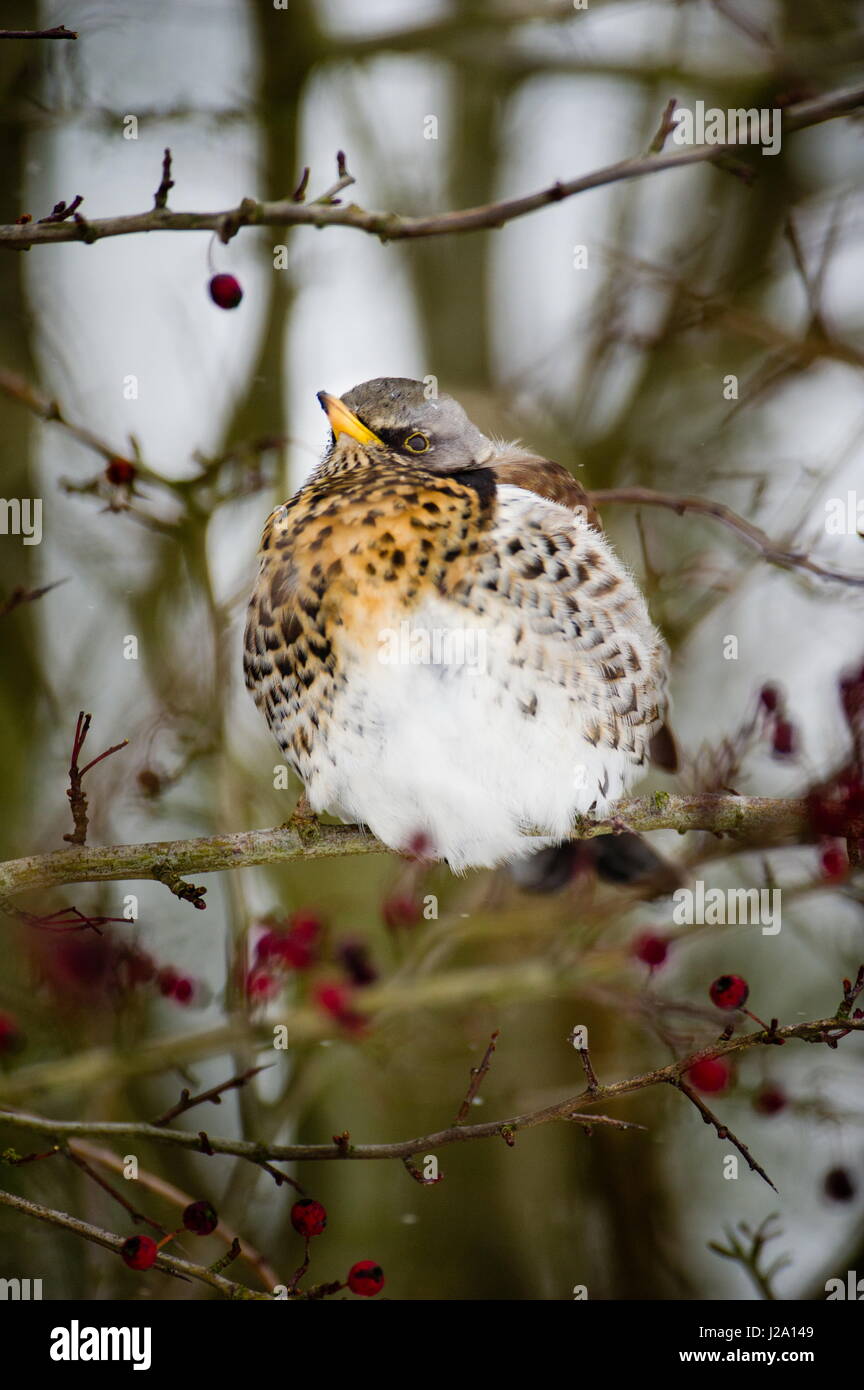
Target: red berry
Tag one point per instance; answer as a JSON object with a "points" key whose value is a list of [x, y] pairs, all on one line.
{"points": [[335, 1000], [785, 741], [200, 1218], [11, 1037], [120, 472], [366, 1278], [183, 991], [260, 985], [769, 697], [294, 952], [833, 862], [225, 291], [306, 926], [401, 911], [711, 1074], [167, 980], [139, 1252], [651, 949], [729, 992], [308, 1217], [769, 1101], [839, 1185]]}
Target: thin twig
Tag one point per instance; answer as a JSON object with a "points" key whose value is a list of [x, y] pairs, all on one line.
{"points": [[772, 551], [160, 198], [214, 1095], [723, 1130], [391, 226], [75, 793], [477, 1075]]}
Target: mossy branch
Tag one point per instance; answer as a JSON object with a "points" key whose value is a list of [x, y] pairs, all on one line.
{"points": [[754, 819]]}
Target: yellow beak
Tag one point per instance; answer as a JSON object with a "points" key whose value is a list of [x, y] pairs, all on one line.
{"points": [[344, 421]]}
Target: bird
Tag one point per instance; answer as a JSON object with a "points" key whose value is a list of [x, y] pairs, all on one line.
{"points": [[443, 642]]}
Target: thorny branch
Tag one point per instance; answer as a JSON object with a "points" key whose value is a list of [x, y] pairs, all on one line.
{"points": [[574, 1108], [391, 226]]}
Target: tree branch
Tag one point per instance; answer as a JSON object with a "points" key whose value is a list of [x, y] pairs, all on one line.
{"points": [[391, 226], [761, 820], [58, 32], [772, 551], [168, 1263], [576, 1108]]}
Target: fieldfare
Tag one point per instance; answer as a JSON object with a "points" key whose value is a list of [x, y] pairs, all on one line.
{"points": [[442, 640]]}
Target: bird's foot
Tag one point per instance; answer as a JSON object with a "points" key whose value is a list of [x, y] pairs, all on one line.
{"points": [[303, 821]]}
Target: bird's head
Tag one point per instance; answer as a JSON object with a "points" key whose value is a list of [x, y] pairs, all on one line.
{"points": [[394, 413]]}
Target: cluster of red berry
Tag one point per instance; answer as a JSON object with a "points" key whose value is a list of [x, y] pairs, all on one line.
{"points": [[82, 968], [836, 806], [140, 1252], [297, 944], [784, 736], [309, 1218]]}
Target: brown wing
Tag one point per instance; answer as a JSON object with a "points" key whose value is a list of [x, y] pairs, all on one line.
{"points": [[549, 480]]}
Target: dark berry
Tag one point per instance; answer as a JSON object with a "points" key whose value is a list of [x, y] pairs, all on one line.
{"points": [[711, 1074], [308, 1217], [183, 991], [401, 910], [769, 698], [353, 956], [769, 1101], [11, 1037], [149, 782], [833, 862], [120, 472], [225, 291], [651, 949], [729, 992], [201, 1218], [167, 980], [785, 741], [839, 1185], [139, 1252], [366, 1278]]}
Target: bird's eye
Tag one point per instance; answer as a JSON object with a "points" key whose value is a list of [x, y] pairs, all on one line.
{"points": [[417, 443]]}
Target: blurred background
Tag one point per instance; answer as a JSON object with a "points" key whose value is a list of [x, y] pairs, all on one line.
{"points": [[604, 332]]}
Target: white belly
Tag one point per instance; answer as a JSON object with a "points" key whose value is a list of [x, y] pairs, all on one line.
{"points": [[463, 754]]}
